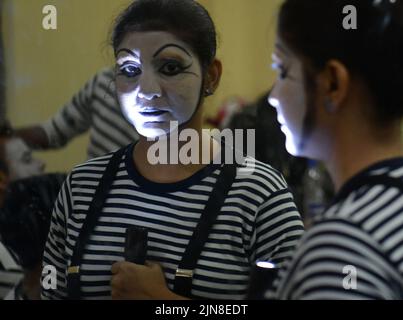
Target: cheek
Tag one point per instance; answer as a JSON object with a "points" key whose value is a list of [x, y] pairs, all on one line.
{"points": [[185, 93], [293, 106], [124, 87]]}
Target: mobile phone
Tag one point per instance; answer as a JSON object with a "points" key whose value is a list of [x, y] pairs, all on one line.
{"points": [[136, 245]]}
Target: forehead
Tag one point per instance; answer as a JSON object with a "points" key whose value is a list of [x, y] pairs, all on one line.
{"points": [[150, 42]]}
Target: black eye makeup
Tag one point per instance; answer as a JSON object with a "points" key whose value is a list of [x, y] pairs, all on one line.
{"points": [[172, 67], [282, 70], [129, 69]]}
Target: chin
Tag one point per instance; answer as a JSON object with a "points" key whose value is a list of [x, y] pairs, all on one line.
{"points": [[292, 149], [156, 130]]}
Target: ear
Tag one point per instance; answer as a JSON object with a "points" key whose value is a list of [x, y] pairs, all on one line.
{"points": [[213, 76], [335, 80]]}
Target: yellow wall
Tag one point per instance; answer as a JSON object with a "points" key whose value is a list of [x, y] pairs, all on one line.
{"points": [[45, 67]]}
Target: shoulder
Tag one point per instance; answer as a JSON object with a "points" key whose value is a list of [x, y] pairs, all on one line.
{"points": [[93, 169], [260, 176], [105, 74], [325, 255]]}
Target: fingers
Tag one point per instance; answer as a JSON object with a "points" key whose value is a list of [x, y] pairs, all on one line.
{"points": [[116, 266]]}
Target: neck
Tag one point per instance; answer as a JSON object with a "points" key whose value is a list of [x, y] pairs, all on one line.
{"points": [[357, 149], [172, 169]]}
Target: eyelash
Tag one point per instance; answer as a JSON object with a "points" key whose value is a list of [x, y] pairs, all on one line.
{"points": [[283, 70], [125, 69], [179, 68]]}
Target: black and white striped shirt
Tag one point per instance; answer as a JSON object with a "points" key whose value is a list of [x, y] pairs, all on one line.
{"points": [[258, 221], [10, 271], [94, 108], [355, 249]]}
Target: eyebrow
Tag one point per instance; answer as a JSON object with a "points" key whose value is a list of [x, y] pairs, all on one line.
{"points": [[170, 45], [127, 51]]}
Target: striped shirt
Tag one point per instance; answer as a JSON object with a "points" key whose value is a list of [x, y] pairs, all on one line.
{"points": [[355, 249], [10, 271], [94, 108], [258, 221]]}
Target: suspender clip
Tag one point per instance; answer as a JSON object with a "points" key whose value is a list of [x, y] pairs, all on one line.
{"points": [[185, 273], [73, 269]]}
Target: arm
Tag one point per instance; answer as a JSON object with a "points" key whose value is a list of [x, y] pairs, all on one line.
{"points": [[35, 137], [73, 119], [54, 254], [278, 228]]}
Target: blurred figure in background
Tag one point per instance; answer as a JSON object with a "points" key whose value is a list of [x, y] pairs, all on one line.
{"points": [[94, 108], [24, 225], [309, 181], [16, 162]]}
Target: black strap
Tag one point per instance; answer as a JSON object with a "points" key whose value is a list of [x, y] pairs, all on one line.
{"points": [[73, 272], [184, 273]]}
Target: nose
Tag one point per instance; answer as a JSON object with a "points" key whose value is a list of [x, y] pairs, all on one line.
{"points": [[149, 88], [272, 99]]}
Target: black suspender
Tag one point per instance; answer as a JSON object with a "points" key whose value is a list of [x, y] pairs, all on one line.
{"points": [[73, 272], [184, 273]]}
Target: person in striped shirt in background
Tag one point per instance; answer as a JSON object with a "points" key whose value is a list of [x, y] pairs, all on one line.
{"points": [[166, 67], [93, 108], [339, 99]]}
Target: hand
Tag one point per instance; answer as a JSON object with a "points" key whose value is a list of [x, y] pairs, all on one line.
{"points": [[137, 282]]}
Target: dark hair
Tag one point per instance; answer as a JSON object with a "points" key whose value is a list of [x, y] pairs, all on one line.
{"points": [[25, 217], [186, 19], [314, 30], [6, 133]]}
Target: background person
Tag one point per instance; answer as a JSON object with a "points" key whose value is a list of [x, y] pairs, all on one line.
{"points": [[95, 109], [16, 162], [338, 97], [24, 226]]}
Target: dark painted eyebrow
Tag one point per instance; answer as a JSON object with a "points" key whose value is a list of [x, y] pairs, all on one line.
{"points": [[170, 45], [127, 51]]}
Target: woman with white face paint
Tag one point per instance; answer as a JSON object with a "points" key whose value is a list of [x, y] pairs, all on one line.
{"points": [[339, 100], [207, 223], [20, 162], [16, 163]]}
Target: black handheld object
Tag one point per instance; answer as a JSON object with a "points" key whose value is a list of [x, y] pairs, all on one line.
{"points": [[136, 245], [263, 274]]}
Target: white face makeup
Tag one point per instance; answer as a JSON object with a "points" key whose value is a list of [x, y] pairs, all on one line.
{"points": [[158, 80], [289, 98], [20, 162]]}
